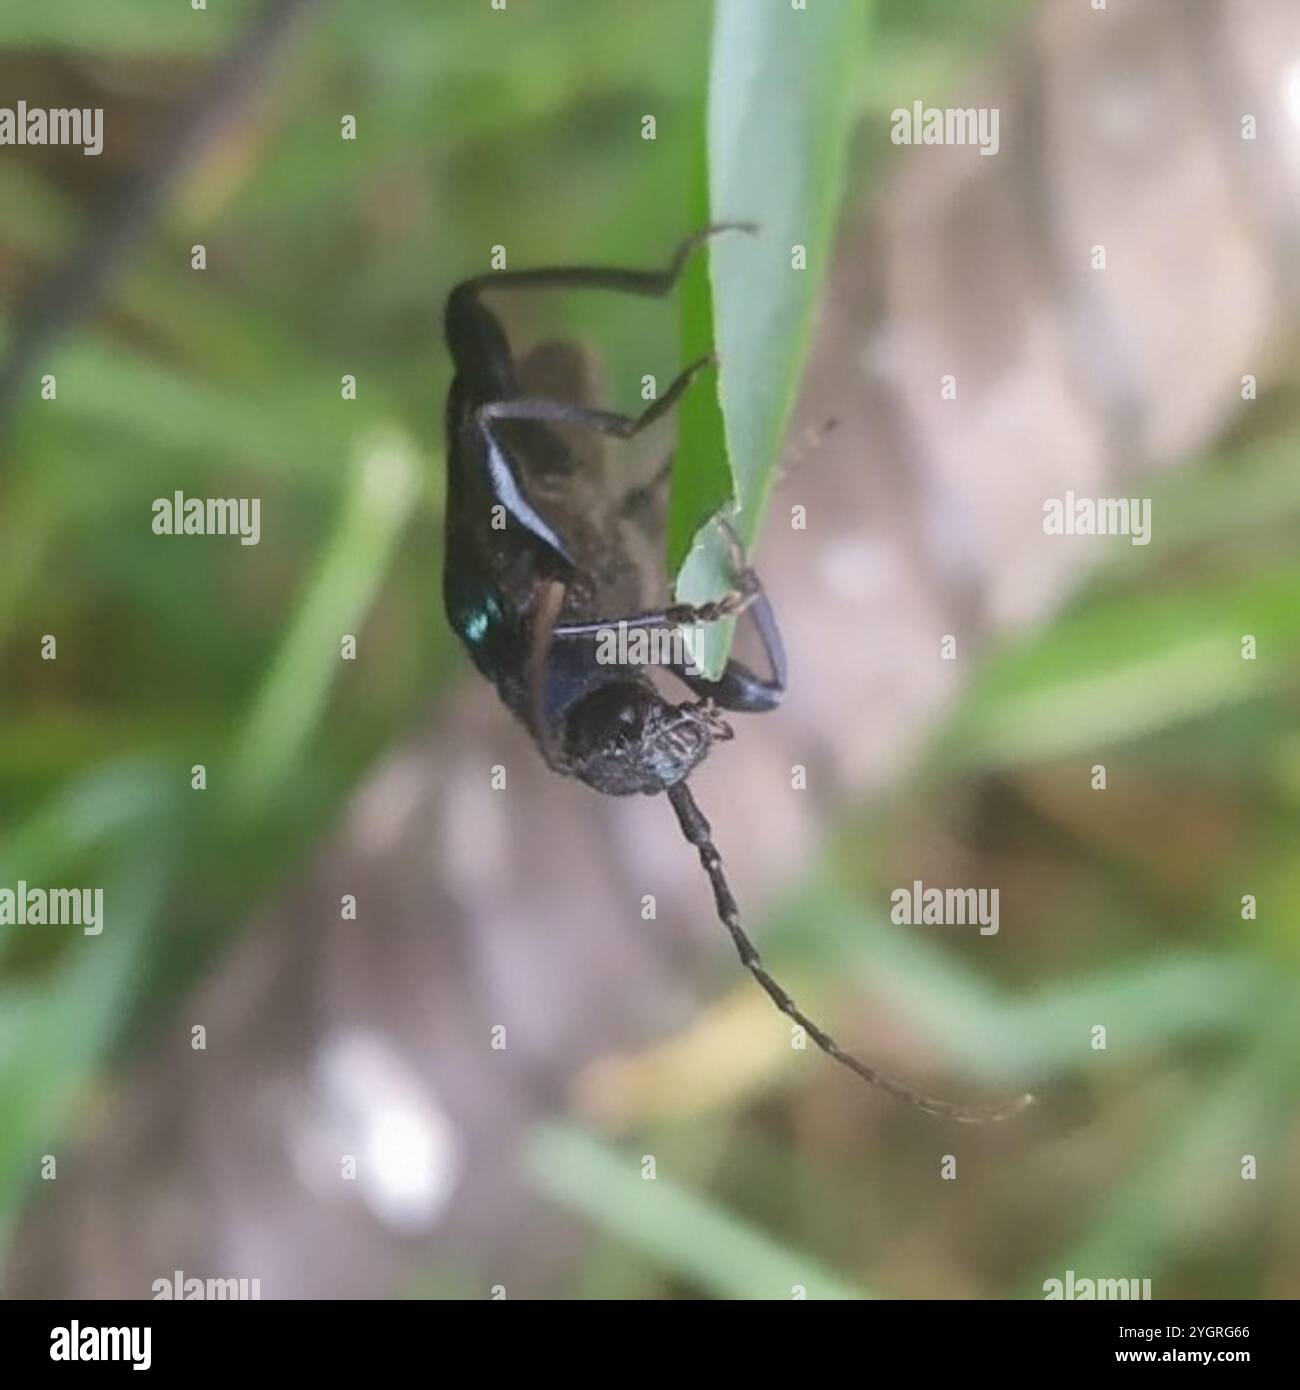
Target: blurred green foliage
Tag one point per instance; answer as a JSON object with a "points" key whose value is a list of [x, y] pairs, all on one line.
{"points": [[321, 260]]}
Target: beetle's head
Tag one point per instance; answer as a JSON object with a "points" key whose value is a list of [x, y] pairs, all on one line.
{"points": [[626, 738]]}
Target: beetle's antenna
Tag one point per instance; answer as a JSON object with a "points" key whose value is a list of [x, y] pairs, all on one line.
{"points": [[697, 830]]}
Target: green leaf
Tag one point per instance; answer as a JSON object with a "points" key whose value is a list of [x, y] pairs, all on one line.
{"points": [[55, 1027], [702, 482], [780, 108], [1187, 1189], [278, 730], [679, 1230], [122, 27], [1000, 1035], [1126, 667]]}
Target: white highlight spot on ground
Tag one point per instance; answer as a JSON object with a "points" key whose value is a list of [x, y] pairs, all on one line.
{"points": [[370, 1102]]}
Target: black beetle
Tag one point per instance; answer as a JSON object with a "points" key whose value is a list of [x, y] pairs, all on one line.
{"points": [[539, 562]]}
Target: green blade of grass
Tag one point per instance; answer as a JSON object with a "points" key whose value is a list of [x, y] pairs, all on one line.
{"points": [[1189, 1185], [383, 491], [56, 1026], [119, 27], [780, 108], [679, 1230], [1125, 667], [999, 1035]]}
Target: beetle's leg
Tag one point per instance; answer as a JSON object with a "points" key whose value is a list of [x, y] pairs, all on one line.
{"points": [[602, 421], [731, 605], [478, 342], [738, 688], [745, 590], [652, 283]]}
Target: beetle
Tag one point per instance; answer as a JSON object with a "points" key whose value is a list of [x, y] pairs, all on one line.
{"points": [[540, 559]]}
